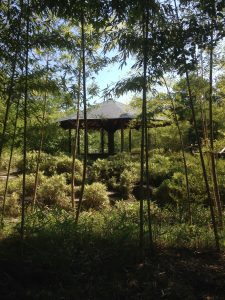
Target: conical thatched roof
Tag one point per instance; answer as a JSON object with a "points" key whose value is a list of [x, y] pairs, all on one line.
{"points": [[109, 109], [107, 114], [110, 115]]}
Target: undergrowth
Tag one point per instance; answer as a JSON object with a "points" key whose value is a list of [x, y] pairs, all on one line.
{"points": [[99, 257], [119, 224]]}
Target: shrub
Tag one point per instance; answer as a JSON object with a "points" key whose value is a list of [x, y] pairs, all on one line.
{"points": [[118, 172], [221, 176], [12, 207], [161, 167], [63, 164], [15, 184], [104, 169], [54, 191], [50, 164], [5, 160], [51, 190], [47, 163], [128, 178], [95, 196], [31, 162], [99, 171]]}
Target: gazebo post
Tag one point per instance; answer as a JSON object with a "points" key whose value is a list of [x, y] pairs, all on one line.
{"points": [[102, 140], [78, 142], [87, 143], [70, 142], [149, 138], [122, 139], [108, 116], [130, 140], [111, 148]]}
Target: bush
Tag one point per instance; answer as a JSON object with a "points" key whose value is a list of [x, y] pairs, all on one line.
{"points": [[95, 196], [118, 172], [31, 162], [51, 190], [48, 163], [64, 166], [104, 169], [12, 207], [5, 160], [54, 191], [161, 167], [221, 176], [15, 185], [128, 178], [51, 165], [99, 171]]}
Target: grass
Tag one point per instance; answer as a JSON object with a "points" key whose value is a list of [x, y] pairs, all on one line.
{"points": [[100, 258]]}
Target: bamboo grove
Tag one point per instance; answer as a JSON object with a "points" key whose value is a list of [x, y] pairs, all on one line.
{"points": [[51, 50]]}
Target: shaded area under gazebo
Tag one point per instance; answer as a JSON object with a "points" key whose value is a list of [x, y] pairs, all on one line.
{"points": [[108, 117]]}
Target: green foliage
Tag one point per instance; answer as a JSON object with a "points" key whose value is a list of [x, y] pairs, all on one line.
{"points": [[221, 175], [64, 165], [16, 158], [95, 196], [118, 226], [46, 163], [119, 172], [128, 179], [161, 167], [170, 184], [54, 191], [104, 169], [15, 185], [50, 165], [100, 170], [12, 205]]}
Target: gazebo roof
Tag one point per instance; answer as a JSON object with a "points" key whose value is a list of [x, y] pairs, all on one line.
{"points": [[109, 109], [107, 114], [110, 115]]}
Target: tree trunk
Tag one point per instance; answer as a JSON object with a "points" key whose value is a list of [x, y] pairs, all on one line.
{"points": [[122, 139], [41, 143], [210, 201], [145, 35], [9, 164], [85, 120], [183, 152], [12, 82], [130, 140], [25, 124], [144, 141], [102, 146], [75, 144], [211, 135]]}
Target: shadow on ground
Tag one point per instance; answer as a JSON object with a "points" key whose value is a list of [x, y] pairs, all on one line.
{"points": [[104, 271]]}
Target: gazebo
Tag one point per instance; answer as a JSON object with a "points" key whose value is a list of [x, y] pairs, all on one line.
{"points": [[108, 116]]}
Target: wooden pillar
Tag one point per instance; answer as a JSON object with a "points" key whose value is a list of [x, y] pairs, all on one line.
{"points": [[149, 139], [78, 142], [122, 139], [70, 142], [87, 143], [102, 141], [130, 140], [111, 147]]}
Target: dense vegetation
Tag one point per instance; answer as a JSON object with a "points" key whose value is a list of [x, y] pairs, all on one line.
{"points": [[148, 222]]}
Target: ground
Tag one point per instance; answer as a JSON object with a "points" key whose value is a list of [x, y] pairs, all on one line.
{"points": [[169, 274]]}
